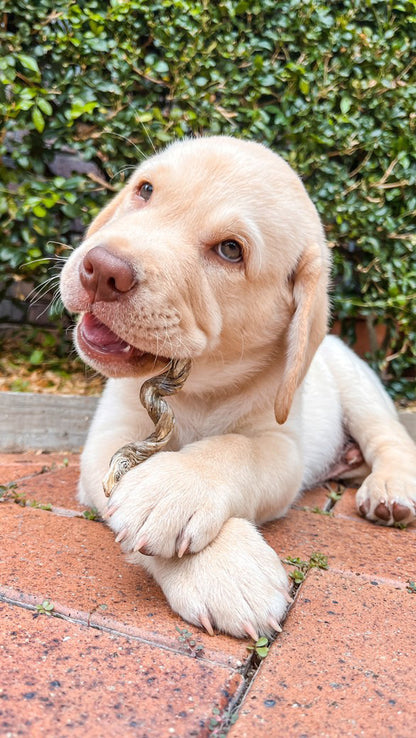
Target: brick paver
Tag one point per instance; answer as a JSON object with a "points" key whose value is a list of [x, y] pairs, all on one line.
{"points": [[65, 679], [343, 666], [110, 660]]}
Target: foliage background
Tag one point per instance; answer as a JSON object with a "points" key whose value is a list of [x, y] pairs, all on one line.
{"points": [[330, 86]]}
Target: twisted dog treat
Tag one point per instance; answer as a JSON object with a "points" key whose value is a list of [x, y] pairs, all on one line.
{"points": [[151, 396]]}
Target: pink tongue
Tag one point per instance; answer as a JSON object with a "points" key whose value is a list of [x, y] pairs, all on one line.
{"points": [[97, 333]]}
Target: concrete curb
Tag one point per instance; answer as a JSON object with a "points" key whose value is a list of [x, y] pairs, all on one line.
{"points": [[41, 421], [60, 422]]}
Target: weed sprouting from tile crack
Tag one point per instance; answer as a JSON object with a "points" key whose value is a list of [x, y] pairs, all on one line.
{"points": [[316, 561], [219, 725], [7, 491], [187, 638], [91, 514], [10, 493], [319, 511], [261, 647], [45, 608], [334, 495]]}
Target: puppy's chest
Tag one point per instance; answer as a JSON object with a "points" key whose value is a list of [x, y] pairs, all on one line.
{"points": [[192, 423]]}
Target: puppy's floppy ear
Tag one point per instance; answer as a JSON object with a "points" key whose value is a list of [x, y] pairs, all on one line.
{"points": [[307, 327], [106, 214]]}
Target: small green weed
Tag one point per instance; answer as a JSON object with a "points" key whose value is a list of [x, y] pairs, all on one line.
{"points": [[319, 511], [91, 514], [46, 608], [219, 724], [261, 647], [214, 722], [7, 491], [316, 561], [334, 496], [411, 586], [298, 575], [21, 500], [186, 637], [39, 505]]}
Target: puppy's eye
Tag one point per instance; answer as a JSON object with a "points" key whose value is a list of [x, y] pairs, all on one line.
{"points": [[145, 191], [230, 251]]}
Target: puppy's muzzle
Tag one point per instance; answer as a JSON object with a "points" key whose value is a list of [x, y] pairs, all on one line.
{"points": [[105, 275]]}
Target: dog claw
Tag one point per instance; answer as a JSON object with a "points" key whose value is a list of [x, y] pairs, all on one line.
{"points": [[110, 511], [275, 625], [184, 547], [287, 597], [141, 547], [206, 623], [250, 631], [122, 535]]}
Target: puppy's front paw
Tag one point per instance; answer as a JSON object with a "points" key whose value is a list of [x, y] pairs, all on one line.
{"points": [[236, 585], [166, 507], [388, 497]]}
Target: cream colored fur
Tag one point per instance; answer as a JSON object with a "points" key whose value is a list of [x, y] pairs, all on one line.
{"points": [[270, 399]]}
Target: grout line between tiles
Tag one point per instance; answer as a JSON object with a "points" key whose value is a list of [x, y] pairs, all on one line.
{"points": [[84, 619]]}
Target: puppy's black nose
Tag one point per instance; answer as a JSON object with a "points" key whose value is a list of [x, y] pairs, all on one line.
{"points": [[105, 275]]}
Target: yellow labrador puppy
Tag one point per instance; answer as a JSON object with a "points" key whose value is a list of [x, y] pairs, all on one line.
{"points": [[213, 251]]}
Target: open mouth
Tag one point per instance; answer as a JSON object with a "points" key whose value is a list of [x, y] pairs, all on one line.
{"points": [[98, 342]]}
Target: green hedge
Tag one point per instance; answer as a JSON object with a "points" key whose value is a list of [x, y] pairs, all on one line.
{"points": [[331, 86]]}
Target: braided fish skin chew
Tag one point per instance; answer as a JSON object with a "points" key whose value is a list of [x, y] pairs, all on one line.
{"points": [[152, 393]]}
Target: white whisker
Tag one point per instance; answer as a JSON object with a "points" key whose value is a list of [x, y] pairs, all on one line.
{"points": [[122, 170], [42, 289], [128, 140], [57, 306], [146, 130], [65, 246]]}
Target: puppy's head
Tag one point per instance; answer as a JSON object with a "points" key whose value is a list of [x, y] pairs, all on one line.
{"points": [[212, 251]]}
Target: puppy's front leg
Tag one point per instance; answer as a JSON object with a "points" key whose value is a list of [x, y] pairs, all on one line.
{"points": [[388, 494], [177, 502], [236, 584], [119, 419]]}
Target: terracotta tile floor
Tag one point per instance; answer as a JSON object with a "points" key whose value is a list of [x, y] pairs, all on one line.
{"points": [[109, 660]]}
